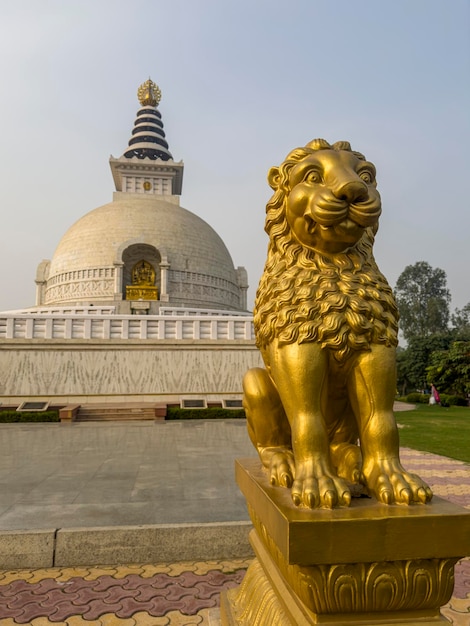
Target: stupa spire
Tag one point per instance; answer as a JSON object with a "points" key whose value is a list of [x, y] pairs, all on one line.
{"points": [[147, 166], [149, 93], [148, 137]]}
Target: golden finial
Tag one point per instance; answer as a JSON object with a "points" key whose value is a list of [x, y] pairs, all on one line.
{"points": [[149, 94]]}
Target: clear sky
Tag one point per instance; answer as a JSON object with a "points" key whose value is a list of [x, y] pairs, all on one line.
{"points": [[243, 82]]}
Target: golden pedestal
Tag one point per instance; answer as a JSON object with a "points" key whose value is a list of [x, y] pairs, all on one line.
{"points": [[141, 292], [363, 565]]}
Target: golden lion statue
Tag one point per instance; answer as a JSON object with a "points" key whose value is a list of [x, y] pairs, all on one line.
{"points": [[326, 323]]}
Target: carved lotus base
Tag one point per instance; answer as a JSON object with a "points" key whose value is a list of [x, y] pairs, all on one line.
{"points": [[369, 564], [400, 592]]}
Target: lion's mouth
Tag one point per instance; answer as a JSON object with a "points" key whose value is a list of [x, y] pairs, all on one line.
{"points": [[348, 227], [336, 237], [344, 227]]}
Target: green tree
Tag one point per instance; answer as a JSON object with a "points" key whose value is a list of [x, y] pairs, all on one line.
{"points": [[461, 322], [449, 369], [413, 362], [423, 301]]}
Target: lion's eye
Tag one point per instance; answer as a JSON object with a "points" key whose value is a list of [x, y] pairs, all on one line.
{"points": [[366, 176], [313, 177]]}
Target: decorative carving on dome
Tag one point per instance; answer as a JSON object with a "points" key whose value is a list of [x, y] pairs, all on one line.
{"points": [[149, 93], [193, 289], [80, 275], [102, 288]]}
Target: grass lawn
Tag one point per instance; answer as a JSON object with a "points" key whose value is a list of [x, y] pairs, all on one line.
{"points": [[436, 429]]}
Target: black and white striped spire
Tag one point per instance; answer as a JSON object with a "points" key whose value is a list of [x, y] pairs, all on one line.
{"points": [[148, 137]]}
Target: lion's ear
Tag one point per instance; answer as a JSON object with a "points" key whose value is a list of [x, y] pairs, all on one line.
{"points": [[274, 178]]}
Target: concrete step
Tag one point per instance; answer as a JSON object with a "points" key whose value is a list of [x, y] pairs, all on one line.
{"points": [[118, 412]]}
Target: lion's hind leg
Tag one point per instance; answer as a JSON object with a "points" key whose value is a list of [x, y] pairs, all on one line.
{"points": [[268, 426], [343, 435], [347, 460]]}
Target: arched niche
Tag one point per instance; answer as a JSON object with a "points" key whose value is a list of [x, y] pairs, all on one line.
{"points": [[140, 255]]}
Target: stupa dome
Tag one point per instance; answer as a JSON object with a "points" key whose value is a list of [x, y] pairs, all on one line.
{"points": [[143, 245]]}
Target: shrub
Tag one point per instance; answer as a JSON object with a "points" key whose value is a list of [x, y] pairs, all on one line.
{"points": [[9, 416], [417, 398], [447, 400], [204, 414], [458, 401]]}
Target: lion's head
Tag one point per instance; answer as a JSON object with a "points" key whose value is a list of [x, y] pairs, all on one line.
{"points": [[321, 282]]}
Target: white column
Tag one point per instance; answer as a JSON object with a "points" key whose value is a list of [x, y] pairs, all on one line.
{"points": [[242, 280], [118, 281], [164, 267], [40, 292]]}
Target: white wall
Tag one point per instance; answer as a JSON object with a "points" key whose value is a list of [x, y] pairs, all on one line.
{"points": [[97, 370]]}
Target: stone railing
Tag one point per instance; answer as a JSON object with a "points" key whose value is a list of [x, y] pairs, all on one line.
{"points": [[168, 310], [65, 310], [109, 327]]}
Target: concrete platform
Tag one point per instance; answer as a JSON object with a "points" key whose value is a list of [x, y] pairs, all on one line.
{"points": [[120, 474], [86, 494], [108, 545]]}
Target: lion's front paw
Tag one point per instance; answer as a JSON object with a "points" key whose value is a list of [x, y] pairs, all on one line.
{"points": [[391, 483], [316, 486]]}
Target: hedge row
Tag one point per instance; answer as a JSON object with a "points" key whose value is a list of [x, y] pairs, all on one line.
{"points": [[446, 400], [12, 416], [204, 414], [8, 416], [416, 398]]}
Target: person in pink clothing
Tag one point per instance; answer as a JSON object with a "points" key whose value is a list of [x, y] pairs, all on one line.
{"points": [[435, 398]]}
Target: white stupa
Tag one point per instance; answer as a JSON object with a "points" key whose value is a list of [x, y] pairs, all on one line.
{"points": [[143, 250]]}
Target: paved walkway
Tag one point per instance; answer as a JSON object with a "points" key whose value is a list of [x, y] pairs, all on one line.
{"points": [[48, 468], [147, 595]]}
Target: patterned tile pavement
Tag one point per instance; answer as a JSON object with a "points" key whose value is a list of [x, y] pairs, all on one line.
{"points": [[131, 595], [448, 479], [183, 594]]}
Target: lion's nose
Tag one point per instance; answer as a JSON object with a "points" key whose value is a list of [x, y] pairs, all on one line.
{"points": [[352, 191]]}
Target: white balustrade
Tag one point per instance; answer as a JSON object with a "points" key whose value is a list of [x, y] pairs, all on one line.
{"points": [[167, 310], [149, 327], [63, 310]]}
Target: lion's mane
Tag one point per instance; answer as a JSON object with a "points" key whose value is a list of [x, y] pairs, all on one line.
{"points": [[341, 301]]}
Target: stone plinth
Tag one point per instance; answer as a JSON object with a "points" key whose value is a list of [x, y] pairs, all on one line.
{"points": [[141, 308], [366, 564]]}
